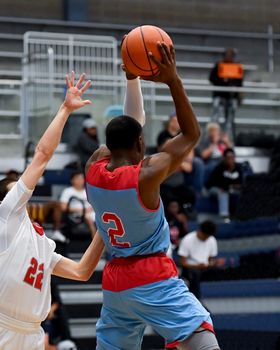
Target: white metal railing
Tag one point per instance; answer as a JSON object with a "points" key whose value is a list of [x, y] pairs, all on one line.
{"points": [[48, 57]]}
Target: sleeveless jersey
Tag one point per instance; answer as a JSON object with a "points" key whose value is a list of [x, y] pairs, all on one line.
{"points": [[27, 258], [126, 226]]}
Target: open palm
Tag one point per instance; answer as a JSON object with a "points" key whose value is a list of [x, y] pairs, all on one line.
{"points": [[73, 99]]}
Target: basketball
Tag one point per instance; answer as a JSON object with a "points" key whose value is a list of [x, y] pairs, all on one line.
{"points": [[136, 47]]}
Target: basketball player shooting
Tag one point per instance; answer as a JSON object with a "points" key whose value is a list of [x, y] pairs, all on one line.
{"points": [[140, 284], [27, 257]]}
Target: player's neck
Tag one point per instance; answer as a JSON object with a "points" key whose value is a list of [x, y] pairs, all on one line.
{"points": [[122, 159]]}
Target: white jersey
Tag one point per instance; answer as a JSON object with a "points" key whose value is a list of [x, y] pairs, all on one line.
{"points": [[27, 259]]}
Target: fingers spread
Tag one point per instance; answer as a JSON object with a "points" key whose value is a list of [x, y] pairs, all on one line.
{"points": [[165, 53], [86, 86], [72, 78], [87, 102], [68, 83], [154, 59], [172, 51], [80, 81]]}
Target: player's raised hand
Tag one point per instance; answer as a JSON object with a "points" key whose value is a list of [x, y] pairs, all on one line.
{"points": [[73, 99], [129, 76], [167, 66]]}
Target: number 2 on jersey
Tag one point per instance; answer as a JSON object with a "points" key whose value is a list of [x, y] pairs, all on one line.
{"points": [[117, 231], [34, 275]]}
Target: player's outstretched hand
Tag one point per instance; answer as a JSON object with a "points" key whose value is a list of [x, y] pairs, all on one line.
{"points": [[73, 99], [167, 66]]}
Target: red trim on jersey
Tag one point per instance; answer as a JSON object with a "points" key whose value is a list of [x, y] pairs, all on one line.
{"points": [[204, 325], [38, 228], [135, 271], [122, 178], [143, 205]]}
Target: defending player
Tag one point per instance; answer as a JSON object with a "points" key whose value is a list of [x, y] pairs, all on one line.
{"points": [[27, 257], [140, 284]]}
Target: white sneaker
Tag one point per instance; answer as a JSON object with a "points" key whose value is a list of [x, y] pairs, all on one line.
{"points": [[59, 237]]}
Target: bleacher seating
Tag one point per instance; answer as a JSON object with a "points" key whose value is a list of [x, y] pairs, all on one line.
{"points": [[251, 247]]}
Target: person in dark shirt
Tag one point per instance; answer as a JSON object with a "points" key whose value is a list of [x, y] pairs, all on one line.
{"points": [[172, 129], [225, 179], [225, 102], [88, 141]]}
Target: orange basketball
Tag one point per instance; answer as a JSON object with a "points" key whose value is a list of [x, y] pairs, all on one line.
{"points": [[136, 46]]}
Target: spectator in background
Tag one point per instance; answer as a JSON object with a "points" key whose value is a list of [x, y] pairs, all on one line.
{"points": [[12, 174], [56, 325], [74, 202], [172, 129], [197, 252], [88, 141], [193, 169], [225, 180], [212, 147], [178, 226], [225, 102], [187, 181], [42, 212]]}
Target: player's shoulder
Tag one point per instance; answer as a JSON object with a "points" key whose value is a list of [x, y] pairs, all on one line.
{"points": [[100, 153]]}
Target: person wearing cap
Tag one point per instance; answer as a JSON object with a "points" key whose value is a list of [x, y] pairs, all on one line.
{"points": [[88, 141]]}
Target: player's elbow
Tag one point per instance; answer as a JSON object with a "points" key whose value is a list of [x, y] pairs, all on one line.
{"points": [[42, 155], [83, 275], [196, 135]]}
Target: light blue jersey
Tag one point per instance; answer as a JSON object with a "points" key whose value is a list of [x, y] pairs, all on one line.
{"points": [[126, 226]]}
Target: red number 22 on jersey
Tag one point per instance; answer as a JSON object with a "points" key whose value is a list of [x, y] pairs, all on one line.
{"points": [[117, 231], [34, 275]]}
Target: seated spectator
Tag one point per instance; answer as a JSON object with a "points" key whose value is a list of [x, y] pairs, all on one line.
{"points": [[193, 170], [45, 212], [226, 179], [88, 141], [171, 129], [212, 147], [178, 226], [56, 327], [187, 180], [197, 251], [74, 202]]}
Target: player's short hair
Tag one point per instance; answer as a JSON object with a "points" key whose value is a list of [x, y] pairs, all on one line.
{"points": [[4, 183], [122, 133], [208, 227]]}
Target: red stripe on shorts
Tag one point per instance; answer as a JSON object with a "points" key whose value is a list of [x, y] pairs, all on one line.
{"points": [[204, 325], [125, 273]]}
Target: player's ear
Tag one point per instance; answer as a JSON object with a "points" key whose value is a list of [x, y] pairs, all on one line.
{"points": [[139, 144]]}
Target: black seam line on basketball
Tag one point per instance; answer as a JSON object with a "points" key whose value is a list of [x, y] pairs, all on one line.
{"points": [[162, 38], [149, 60], [126, 46]]}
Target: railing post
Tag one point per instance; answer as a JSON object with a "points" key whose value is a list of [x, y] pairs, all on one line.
{"points": [[51, 76], [270, 49]]}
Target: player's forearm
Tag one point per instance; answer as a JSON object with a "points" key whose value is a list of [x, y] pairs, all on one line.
{"points": [[89, 260], [133, 102], [52, 136], [186, 118], [82, 270]]}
